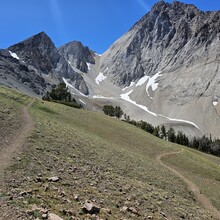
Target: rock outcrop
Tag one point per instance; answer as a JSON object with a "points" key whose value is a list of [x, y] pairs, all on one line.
{"points": [[17, 74], [77, 55]]}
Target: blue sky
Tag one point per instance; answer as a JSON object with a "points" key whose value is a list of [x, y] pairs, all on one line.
{"points": [[96, 23]]}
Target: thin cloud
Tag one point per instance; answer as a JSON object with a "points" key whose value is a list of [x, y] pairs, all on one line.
{"points": [[144, 5], [55, 9], [57, 17]]}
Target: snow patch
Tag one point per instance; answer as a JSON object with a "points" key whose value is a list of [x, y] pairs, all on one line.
{"points": [[88, 65], [14, 55], [180, 120], [101, 97], [98, 54], [215, 103], [71, 65], [82, 101], [72, 87], [142, 80], [100, 78], [68, 84], [149, 96], [151, 82], [128, 99]]}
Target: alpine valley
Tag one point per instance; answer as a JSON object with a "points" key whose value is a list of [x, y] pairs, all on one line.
{"points": [[164, 70], [59, 161]]}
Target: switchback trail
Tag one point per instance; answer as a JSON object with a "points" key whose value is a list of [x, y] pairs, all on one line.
{"points": [[14, 147], [201, 198]]}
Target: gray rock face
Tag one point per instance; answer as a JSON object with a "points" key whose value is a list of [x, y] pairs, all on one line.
{"points": [[16, 74], [39, 54], [64, 69], [165, 39], [77, 55]]}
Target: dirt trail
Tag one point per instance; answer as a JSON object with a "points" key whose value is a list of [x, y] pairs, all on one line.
{"points": [[12, 149], [201, 198]]}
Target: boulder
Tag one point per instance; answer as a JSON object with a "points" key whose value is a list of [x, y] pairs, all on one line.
{"points": [[54, 179], [90, 208], [53, 216]]}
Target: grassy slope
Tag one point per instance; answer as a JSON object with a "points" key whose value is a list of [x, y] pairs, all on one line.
{"points": [[110, 162], [10, 105], [203, 170]]}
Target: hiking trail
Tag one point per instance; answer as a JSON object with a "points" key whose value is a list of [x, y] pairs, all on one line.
{"points": [[201, 198], [11, 149]]}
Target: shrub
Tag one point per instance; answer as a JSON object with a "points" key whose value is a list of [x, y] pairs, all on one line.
{"points": [[60, 94], [112, 111]]}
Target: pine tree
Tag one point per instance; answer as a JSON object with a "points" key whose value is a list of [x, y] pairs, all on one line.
{"points": [[109, 110], [156, 131], [59, 92], [171, 135], [163, 132], [118, 112]]}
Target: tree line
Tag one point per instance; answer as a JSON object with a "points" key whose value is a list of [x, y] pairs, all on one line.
{"points": [[204, 144], [60, 94]]}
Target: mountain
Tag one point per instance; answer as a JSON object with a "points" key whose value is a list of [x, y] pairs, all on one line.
{"points": [[170, 59], [170, 37], [38, 52], [164, 70], [39, 55]]}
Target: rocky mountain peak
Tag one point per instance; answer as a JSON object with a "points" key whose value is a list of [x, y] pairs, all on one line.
{"points": [[38, 51], [173, 12], [160, 5], [40, 55], [77, 55], [157, 40], [175, 5], [40, 41]]}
